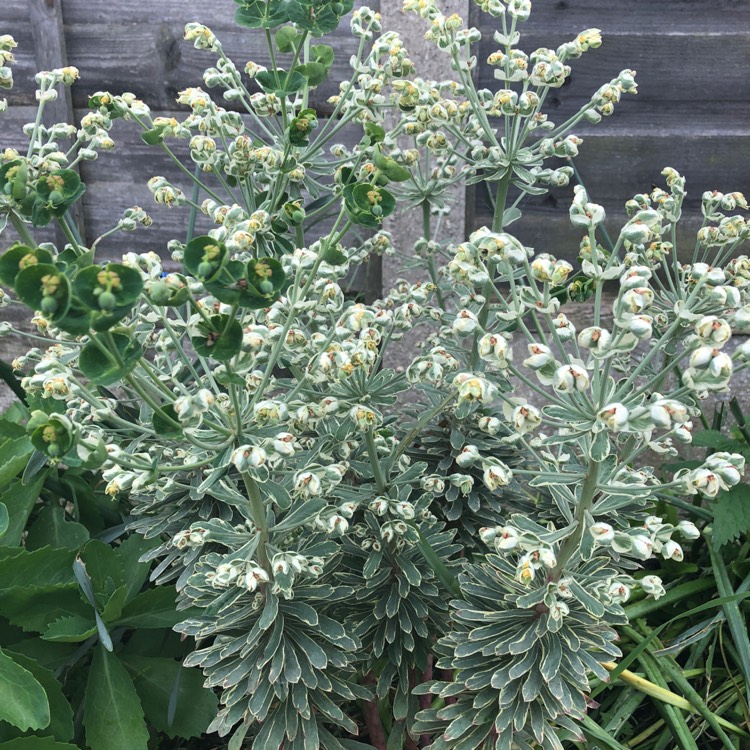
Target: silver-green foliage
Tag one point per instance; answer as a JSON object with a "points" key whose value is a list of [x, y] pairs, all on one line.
{"points": [[335, 547]]}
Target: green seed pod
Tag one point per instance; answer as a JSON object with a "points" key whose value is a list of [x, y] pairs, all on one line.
{"points": [[205, 269], [49, 305], [265, 286], [107, 300], [158, 292], [376, 210]]}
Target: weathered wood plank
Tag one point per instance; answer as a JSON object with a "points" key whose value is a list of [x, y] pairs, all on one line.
{"points": [[117, 180], [47, 31], [548, 229], [670, 66], [572, 16], [133, 51]]}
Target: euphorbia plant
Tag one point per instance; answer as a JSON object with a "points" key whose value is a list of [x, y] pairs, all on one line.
{"points": [[245, 410]]}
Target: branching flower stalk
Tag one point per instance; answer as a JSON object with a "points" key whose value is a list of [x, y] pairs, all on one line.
{"points": [[328, 520]]}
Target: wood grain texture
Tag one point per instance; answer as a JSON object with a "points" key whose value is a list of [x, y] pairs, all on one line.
{"points": [[47, 30], [637, 16], [117, 181], [547, 229], [134, 48]]}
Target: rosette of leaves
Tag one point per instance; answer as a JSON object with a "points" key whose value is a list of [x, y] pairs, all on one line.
{"points": [[49, 197], [284, 665], [316, 17], [398, 607], [521, 675], [108, 292], [439, 443], [81, 631], [254, 285], [367, 205]]}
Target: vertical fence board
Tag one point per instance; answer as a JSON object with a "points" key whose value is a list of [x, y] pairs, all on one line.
{"points": [[47, 30]]}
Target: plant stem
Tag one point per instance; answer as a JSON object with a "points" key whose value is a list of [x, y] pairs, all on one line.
{"points": [[431, 264], [20, 227], [377, 469], [571, 544], [258, 513]]}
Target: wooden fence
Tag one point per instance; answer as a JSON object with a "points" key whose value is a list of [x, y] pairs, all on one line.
{"points": [[692, 110], [691, 113]]}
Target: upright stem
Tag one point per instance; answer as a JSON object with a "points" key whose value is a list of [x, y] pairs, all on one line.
{"points": [[431, 265], [501, 197], [377, 469], [258, 513], [20, 227], [572, 543]]}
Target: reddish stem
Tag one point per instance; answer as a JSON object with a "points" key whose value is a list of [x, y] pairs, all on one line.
{"points": [[425, 701], [447, 676], [372, 719]]}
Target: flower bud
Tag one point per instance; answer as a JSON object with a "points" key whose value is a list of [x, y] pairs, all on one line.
{"points": [[614, 417], [672, 551], [603, 533], [618, 592], [570, 378], [254, 577], [688, 529], [652, 585], [642, 547], [541, 355], [496, 474], [465, 322], [468, 456], [506, 539], [713, 331]]}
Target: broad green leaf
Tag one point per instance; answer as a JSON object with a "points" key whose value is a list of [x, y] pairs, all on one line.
{"points": [[42, 567], [205, 258], [333, 256], [323, 53], [72, 629], [221, 342], [156, 679], [282, 85], [34, 607], [51, 528], [44, 287], [154, 136], [113, 716], [14, 454], [18, 257], [45, 653], [285, 38], [23, 702], [153, 608], [104, 366], [731, 515], [129, 553], [112, 610], [61, 714], [165, 422], [4, 521], [36, 743], [315, 73]]}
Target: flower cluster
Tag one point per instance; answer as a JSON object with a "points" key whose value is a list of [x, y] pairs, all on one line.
{"points": [[316, 518]]}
